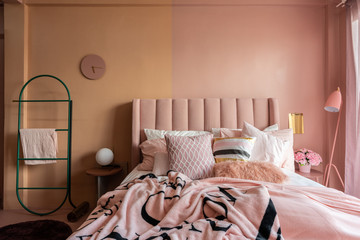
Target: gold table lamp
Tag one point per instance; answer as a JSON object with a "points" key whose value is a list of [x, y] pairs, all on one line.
{"points": [[296, 122]]}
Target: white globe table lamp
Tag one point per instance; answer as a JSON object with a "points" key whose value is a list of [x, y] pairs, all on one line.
{"points": [[104, 156]]}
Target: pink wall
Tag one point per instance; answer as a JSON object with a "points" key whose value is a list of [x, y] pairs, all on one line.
{"points": [[256, 51]]}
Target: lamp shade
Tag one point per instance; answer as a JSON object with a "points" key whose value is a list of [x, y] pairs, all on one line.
{"points": [[296, 122], [333, 102], [104, 156]]}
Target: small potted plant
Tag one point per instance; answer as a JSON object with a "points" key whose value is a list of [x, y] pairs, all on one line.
{"points": [[306, 158]]}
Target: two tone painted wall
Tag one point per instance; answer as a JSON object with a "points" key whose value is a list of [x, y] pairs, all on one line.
{"points": [[290, 49]]}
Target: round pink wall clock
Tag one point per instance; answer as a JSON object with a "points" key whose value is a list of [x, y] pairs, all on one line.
{"points": [[92, 66]]}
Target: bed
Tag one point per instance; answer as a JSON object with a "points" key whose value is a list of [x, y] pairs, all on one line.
{"points": [[195, 201]]}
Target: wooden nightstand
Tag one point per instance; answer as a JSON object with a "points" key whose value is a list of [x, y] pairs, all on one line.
{"points": [[101, 172], [314, 175]]}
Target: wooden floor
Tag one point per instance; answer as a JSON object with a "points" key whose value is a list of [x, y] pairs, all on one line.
{"points": [[8, 217]]}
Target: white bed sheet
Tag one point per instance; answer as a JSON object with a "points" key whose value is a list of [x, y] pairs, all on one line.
{"points": [[293, 178]]}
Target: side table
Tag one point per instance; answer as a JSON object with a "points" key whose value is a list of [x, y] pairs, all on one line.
{"points": [[99, 173], [314, 175]]}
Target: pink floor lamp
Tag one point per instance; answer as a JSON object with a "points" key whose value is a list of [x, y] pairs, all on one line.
{"points": [[333, 104]]}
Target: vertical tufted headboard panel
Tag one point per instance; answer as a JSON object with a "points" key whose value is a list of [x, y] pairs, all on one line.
{"points": [[198, 114]]}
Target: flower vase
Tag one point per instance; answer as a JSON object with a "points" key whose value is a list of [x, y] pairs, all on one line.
{"points": [[305, 168]]}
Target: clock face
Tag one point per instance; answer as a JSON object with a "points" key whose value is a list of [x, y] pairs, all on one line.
{"points": [[92, 67]]}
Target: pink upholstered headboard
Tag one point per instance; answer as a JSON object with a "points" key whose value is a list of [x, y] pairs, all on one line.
{"points": [[198, 114]]}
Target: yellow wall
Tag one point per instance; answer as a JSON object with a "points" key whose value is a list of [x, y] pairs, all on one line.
{"points": [[134, 41], [14, 74]]}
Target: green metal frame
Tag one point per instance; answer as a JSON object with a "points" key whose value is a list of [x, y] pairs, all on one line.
{"points": [[68, 158]]}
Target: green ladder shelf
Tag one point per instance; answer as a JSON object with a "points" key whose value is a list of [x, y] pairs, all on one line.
{"points": [[68, 158]]}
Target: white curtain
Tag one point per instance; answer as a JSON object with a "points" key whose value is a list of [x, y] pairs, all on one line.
{"points": [[352, 151]]}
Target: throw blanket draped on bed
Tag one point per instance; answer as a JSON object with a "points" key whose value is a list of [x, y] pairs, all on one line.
{"points": [[221, 208], [179, 208]]}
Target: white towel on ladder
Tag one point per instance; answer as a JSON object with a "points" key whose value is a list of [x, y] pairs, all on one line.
{"points": [[38, 143]]}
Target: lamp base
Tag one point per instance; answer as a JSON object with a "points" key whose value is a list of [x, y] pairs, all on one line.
{"points": [[327, 175]]}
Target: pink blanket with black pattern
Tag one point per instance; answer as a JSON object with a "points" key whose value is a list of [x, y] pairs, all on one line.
{"points": [[179, 208], [220, 208]]}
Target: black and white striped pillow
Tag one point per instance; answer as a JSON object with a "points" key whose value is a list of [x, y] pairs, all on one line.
{"points": [[233, 148]]}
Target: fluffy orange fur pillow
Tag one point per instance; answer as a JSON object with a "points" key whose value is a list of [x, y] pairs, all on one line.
{"points": [[258, 171]]}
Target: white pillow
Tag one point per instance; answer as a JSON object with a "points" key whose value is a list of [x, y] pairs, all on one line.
{"points": [[273, 127], [161, 164], [217, 131], [288, 157], [267, 148], [155, 133]]}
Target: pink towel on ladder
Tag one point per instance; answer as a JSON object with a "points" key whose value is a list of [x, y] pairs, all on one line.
{"points": [[38, 143]]}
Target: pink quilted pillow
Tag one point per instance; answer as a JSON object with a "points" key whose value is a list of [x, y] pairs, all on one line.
{"points": [[161, 164], [191, 155], [149, 148]]}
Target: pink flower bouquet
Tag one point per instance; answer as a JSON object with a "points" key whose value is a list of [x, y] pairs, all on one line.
{"points": [[305, 156]]}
